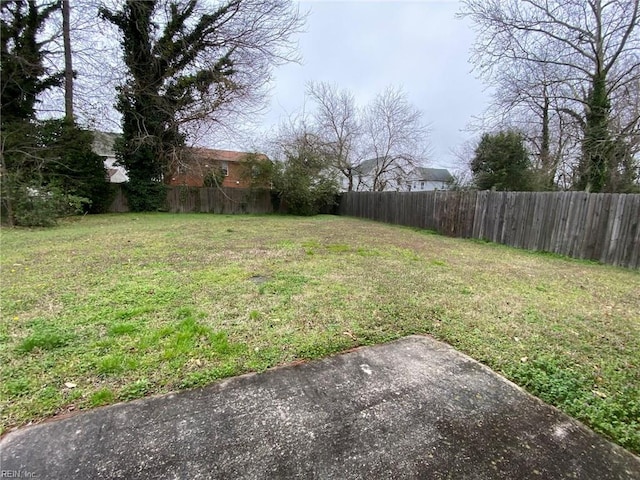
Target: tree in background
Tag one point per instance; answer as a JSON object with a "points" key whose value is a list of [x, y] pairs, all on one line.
{"points": [[47, 166], [257, 170], [624, 172], [24, 75], [501, 162], [72, 165], [338, 126], [597, 145], [387, 137], [574, 65], [187, 61], [302, 178], [395, 136]]}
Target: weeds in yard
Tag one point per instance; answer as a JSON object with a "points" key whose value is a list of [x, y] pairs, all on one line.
{"points": [[104, 396], [48, 339], [584, 394]]}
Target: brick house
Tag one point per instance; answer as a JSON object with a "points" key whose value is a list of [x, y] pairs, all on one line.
{"points": [[199, 167]]}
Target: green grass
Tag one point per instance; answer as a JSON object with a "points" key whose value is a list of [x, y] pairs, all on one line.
{"points": [[111, 308]]}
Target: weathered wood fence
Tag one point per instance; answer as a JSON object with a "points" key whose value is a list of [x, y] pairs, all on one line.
{"points": [[205, 200], [603, 227]]}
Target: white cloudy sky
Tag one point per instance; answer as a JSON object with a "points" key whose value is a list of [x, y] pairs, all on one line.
{"points": [[366, 45]]}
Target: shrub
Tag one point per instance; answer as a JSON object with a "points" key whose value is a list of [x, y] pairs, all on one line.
{"points": [[38, 205], [304, 185]]}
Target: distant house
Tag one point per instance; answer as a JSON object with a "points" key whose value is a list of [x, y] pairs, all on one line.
{"points": [[103, 145], [116, 174], [364, 175], [193, 167], [425, 179], [199, 167], [397, 180]]}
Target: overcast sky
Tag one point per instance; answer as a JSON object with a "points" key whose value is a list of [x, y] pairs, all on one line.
{"points": [[366, 45]]}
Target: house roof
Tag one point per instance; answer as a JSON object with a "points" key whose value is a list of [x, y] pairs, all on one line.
{"points": [[432, 174], [420, 173], [366, 167], [220, 155], [103, 143]]}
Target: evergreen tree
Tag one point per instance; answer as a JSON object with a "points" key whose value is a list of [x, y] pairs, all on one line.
{"points": [[72, 165], [301, 180], [162, 83], [23, 77], [502, 162], [23, 74], [46, 165]]}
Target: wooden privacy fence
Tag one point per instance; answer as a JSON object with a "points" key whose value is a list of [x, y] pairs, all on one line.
{"points": [[218, 200], [206, 200], [595, 226], [119, 203]]}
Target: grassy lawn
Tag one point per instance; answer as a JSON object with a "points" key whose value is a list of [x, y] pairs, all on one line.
{"points": [[109, 308]]}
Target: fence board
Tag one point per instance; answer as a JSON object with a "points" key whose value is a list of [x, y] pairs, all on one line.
{"points": [[634, 246], [610, 226], [205, 200], [592, 213], [603, 227], [618, 253], [119, 204], [575, 223], [539, 202]]}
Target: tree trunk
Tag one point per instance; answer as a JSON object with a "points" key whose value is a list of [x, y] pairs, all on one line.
{"points": [[545, 154], [68, 66], [597, 139], [8, 192]]}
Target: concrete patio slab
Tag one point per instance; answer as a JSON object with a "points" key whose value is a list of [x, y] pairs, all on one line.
{"points": [[414, 408]]}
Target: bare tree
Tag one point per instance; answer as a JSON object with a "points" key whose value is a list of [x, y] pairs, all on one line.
{"points": [[338, 127], [85, 47], [395, 139], [531, 99], [376, 147], [588, 53]]}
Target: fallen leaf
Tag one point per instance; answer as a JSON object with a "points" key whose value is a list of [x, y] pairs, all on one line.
{"points": [[350, 335]]}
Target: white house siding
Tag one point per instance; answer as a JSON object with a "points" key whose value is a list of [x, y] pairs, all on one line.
{"points": [[120, 176], [427, 185]]}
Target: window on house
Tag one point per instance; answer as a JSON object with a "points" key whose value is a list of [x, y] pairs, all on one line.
{"points": [[421, 185], [224, 166]]}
